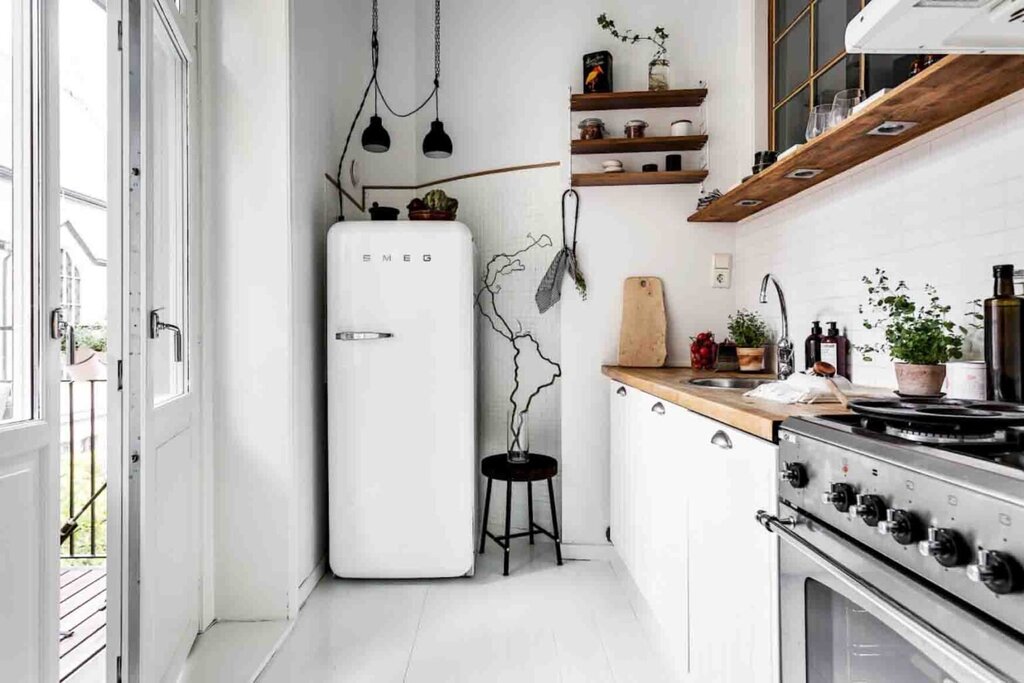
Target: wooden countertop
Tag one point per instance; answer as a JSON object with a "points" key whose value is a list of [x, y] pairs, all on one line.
{"points": [[754, 416]]}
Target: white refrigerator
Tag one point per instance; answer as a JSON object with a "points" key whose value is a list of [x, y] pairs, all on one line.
{"points": [[401, 399]]}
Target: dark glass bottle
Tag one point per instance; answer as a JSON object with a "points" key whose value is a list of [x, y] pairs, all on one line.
{"points": [[834, 350], [812, 347], [1004, 331]]}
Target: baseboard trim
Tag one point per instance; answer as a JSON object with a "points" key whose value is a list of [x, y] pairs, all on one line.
{"points": [[311, 581], [587, 551]]}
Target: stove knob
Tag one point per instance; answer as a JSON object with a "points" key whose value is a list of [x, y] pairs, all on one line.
{"points": [[840, 496], [998, 571], [870, 508], [947, 547], [795, 473], [901, 525]]}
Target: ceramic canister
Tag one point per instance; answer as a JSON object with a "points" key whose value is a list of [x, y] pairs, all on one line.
{"points": [[966, 380], [682, 127]]}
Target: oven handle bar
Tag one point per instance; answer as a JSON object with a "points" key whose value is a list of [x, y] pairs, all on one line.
{"points": [[967, 659]]}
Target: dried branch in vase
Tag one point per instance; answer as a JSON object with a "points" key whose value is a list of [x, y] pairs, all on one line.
{"points": [[501, 266]]}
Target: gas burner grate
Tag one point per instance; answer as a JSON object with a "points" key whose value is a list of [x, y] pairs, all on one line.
{"points": [[929, 435]]}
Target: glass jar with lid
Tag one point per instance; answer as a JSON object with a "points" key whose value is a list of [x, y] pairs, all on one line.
{"points": [[636, 128], [591, 129]]}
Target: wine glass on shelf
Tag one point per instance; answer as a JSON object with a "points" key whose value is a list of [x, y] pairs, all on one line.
{"points": [[843, 104], [818, 121]]}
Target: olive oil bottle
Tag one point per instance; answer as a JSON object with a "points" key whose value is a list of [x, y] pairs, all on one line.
{"points": [[1004, 339]]}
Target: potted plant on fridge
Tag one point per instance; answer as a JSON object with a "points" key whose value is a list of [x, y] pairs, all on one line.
{"points": [[749, 332], [919, 337]]}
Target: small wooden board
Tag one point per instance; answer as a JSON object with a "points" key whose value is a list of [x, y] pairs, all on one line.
{"points": [[644, 326]]}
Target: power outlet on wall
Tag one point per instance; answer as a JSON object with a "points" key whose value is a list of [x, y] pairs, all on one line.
{"points": [[721, 271]]}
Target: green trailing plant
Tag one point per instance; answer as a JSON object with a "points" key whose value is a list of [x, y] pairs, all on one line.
{"points": [[631, 37], [915, 333], [747, 329]]}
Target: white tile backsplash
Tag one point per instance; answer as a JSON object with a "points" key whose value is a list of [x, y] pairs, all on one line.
{"points": [[942, 209]]}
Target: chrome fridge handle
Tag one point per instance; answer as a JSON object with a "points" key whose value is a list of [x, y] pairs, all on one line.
{"points": [[784, 528], [362, 336]]}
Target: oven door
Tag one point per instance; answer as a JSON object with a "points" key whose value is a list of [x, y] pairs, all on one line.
{"points": [[847, 617]]}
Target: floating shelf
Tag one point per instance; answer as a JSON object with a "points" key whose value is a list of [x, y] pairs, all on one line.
{"points": [[640, 99], [676, 143], [950, 88], [659, 178]]}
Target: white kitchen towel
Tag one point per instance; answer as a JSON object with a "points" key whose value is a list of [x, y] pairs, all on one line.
{"points": [[801, 388]]}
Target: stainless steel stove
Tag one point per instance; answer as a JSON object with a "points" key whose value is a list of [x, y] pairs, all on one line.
{"points": [[902, 530]]}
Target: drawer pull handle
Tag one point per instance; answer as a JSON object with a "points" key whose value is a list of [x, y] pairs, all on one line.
{"points": [[621, 391], [658, 408], [722, 440]]}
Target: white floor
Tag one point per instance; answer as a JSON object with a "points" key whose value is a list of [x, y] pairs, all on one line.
{"points": [[542, 623]]}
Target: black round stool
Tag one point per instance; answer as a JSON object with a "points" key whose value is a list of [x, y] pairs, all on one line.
{"points": [[538, 468]]}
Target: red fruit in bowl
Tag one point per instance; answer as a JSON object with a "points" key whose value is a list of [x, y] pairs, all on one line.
{"points": [[705, 353]]}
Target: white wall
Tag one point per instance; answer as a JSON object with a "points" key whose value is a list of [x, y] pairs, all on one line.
{"points": [[246, 176], [942, 209]]}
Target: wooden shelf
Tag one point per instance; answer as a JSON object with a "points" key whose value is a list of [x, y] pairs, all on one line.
{"points": [[640, 99], [659, 178], [950, 88], [675, 143]]}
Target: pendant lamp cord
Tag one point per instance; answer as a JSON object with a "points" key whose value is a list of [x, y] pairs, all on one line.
{"points": [[379, 94]]}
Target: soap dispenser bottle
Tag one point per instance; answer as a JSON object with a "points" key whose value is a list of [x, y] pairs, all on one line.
{"points": [[812, 347], [834, 350]]}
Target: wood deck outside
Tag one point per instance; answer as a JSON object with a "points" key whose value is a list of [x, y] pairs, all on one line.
{"points": [[83, 624]]}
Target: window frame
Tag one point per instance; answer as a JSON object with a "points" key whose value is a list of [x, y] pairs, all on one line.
{"points": [[774, 37]]}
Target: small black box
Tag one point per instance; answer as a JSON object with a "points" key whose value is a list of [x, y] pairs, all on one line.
{"points": [[597, 72]]}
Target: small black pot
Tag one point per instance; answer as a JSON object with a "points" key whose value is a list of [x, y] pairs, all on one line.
{"points": [[383, 213]]}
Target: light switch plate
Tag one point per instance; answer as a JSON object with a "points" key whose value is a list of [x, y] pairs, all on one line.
{"points": [[721, 271]]}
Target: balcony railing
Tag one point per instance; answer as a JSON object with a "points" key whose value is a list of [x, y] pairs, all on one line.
{"points": [[83, 470]]}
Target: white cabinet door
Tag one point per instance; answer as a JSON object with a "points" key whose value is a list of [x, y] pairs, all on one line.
{"points": [[732, 570], [619, 446]]}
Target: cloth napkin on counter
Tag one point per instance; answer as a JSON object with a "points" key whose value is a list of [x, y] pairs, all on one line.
{"points": [[801, 388]]}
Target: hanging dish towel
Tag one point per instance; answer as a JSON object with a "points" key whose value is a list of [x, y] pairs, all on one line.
{"points": [[549, 292]]}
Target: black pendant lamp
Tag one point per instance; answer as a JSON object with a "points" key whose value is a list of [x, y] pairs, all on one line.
{"points": [[376, 138], [437, 144]]}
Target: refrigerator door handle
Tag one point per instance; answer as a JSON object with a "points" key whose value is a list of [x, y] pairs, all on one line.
{"points": [[362, 336]]}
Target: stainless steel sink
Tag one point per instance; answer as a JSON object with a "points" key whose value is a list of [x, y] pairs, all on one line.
{"points": [[729, 382]]}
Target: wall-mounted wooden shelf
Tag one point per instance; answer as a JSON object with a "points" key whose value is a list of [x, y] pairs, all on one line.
{"points": [[676, 143], [659, 178], [950, 88], [640, 99]]}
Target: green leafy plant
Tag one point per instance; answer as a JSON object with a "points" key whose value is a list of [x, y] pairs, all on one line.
{"points": [[747, 329], [632, 37], [915, 333]]}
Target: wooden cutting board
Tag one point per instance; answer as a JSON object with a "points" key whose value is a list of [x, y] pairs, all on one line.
{"points": [[644, 327]]}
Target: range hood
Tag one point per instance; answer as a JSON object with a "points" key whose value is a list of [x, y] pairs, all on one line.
{"points": [[938, 27]]}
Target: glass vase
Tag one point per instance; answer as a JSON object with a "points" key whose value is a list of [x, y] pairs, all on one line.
{"points": [[518, 437], [657, 74]]}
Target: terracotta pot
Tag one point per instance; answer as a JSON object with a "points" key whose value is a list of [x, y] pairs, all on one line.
{"points": [[751, 359], [920, 380]]}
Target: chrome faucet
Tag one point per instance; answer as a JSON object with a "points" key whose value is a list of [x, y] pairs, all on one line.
{"points": [[785, 360]]}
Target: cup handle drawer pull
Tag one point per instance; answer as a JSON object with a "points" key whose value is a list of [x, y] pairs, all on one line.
{"points": [[722, 440], [621, 391], [658, 408]]}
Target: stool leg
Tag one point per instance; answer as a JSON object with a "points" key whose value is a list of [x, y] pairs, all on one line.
{"points": [[487, 510], [554, 522], [508, 522], [529, 497]]}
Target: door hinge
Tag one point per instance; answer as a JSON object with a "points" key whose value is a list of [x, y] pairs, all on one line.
{"points": [[120, 375], [120, 34], [119, 669]]}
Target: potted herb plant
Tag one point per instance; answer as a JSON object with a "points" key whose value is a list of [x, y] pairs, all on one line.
{"points": [[919, 337], [749, 332]]}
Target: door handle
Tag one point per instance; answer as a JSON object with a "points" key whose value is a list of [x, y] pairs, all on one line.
{"points": [[658, 408], [156, 326], [362, 336], [62, 329], [621, 391], [722, 440]]}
